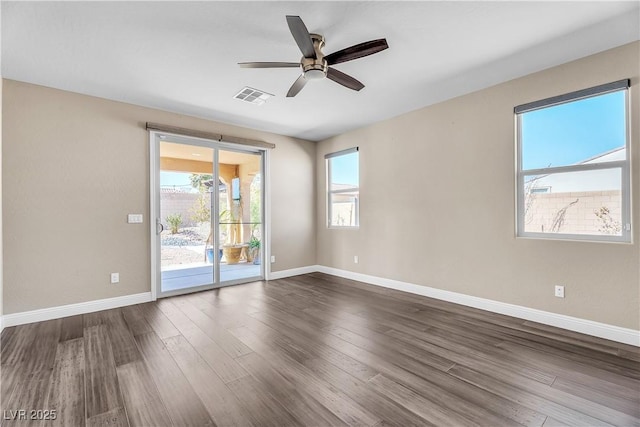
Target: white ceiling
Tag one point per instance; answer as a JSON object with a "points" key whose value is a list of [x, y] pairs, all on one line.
{"points": [[182, 57]]}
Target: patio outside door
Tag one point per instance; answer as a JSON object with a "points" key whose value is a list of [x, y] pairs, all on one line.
{"points": [[208, 210]]}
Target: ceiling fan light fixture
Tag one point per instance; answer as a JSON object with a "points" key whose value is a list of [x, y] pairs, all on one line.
{"points": [[314, 75]]}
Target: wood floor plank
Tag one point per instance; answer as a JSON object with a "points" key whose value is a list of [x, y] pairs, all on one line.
{"points": [[630, 354], [588, 374], [102, 392], [158, 321], [551, 422], [142, 403], [301, 405], [574, 401], [183, 404], [479, 357], [430, 411], [360, 391], [531, 400], [312, 343], [31, 395], [332, 398], [42, 352], [466, 356], [304, 321], [135, 320], [66, 388], [6, 334], [225, 317], [72, 328], [627, 405], [423, 377], [9, 378], [409, 373], [227, 342], [438, 393], [262, 408], [222, 405], [114, 418], [611, 363], [17, 342], [122, 341], [400, 351], [226, 368]]}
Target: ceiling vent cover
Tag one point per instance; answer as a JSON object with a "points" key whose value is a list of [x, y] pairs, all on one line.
{"points": [[253, 96]]}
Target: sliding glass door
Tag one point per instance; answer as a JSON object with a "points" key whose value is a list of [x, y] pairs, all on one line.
{"points": [[208, 205]]}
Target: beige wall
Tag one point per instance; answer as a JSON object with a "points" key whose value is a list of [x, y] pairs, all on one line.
{"points": [[75, 166], [438, 195]]}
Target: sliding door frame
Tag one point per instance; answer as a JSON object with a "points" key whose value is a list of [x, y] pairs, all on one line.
{"points": [[155, 139]]}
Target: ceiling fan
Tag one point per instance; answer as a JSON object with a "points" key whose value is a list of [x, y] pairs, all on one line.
{"points": [[314, 64]]}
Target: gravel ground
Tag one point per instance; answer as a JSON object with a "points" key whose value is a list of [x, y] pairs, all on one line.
{"points": [[172, 255], [174, 250], [186, 237]]}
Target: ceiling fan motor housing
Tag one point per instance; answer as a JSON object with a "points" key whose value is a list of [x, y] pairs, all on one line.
{"points": [[315, 68]]}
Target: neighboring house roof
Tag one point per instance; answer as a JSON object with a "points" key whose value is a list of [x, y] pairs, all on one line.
{"points": [[594, 180]]}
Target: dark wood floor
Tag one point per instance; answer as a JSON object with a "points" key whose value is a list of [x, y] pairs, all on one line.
{"points": [[313, 350]]}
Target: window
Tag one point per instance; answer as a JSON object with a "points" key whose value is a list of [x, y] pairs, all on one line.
{"points": [[573, 166], [343, 190]]}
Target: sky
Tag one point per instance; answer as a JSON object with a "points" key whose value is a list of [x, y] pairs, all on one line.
{"points": [[177, 179], [570, 133], [344, 169]]}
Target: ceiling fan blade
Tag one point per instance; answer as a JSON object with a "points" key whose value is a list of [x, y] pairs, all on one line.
{"points": [[268, 64], [297, 86], [301, 36], [344, 79], [357, 51]]}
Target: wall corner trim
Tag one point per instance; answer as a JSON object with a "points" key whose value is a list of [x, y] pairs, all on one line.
{"points": [[73, 309], [588, 327]]}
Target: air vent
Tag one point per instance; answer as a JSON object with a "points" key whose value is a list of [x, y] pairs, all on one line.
{"points": [[253, 96]]}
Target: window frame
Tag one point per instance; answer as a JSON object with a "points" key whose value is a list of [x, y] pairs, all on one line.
{"points": [[623, 165], [330, 193]]}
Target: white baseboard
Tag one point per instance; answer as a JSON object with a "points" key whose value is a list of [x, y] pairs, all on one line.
{"points": [[73, 309], [588, 327], [275, 275]]}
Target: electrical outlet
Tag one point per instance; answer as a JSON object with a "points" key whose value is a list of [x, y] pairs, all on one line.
{"points": [[355, 259], [559, 291], [115, 277], [273, 259]]}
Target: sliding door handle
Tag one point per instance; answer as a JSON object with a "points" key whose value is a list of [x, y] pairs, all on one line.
{"points": [[159, 226]]}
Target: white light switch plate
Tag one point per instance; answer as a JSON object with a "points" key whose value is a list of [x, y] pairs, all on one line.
{"points": [[134, 218]]}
